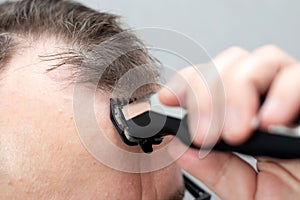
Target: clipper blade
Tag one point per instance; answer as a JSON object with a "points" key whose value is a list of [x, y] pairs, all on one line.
{"points": [[141, 122]]}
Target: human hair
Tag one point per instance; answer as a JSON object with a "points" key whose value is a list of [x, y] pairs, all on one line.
{"points": [[99, 46]]}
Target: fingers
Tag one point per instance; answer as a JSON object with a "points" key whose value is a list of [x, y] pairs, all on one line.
{"points": [[187, 89], [245, 83], [278, 171], [262, 65], [200, 90], [245, 78], [277, 179], [283, 101], [289, 165], [229, 57], [175, 90], [221, 172]]}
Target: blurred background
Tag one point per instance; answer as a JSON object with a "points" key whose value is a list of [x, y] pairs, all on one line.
{"points": [[214, 24]]}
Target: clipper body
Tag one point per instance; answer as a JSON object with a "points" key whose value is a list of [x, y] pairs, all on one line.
{"points": [[145, 123]]}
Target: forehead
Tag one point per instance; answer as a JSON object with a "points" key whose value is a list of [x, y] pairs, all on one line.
{"points": [[28, 56], [35, 57], [26, 70]]}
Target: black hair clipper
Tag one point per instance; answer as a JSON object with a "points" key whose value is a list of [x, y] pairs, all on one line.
{"points": [[146, 122]]}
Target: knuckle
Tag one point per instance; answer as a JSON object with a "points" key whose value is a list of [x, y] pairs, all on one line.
{"points": [[236, 49], [291, 72], [272, 48]]}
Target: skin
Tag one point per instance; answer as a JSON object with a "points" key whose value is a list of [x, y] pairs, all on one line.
{"points": [[246, 76], [41, 154]]}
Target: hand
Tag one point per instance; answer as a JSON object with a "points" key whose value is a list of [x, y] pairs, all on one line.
{"points": [[246, 77]]}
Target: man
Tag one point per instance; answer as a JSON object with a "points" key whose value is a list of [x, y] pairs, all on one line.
{"points": [[46, 46], [49, 46]]}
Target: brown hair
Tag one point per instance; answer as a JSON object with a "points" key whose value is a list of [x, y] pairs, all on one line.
{"points": [[99, 46]]}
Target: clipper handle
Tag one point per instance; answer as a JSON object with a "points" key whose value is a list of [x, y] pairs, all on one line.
{"points": [[261, 143]]}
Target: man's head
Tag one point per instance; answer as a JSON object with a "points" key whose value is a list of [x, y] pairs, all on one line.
{"points": [[47, 47], [88, 39]]}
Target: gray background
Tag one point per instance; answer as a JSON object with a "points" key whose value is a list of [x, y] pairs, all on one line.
{"points": [[215, 24]]}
